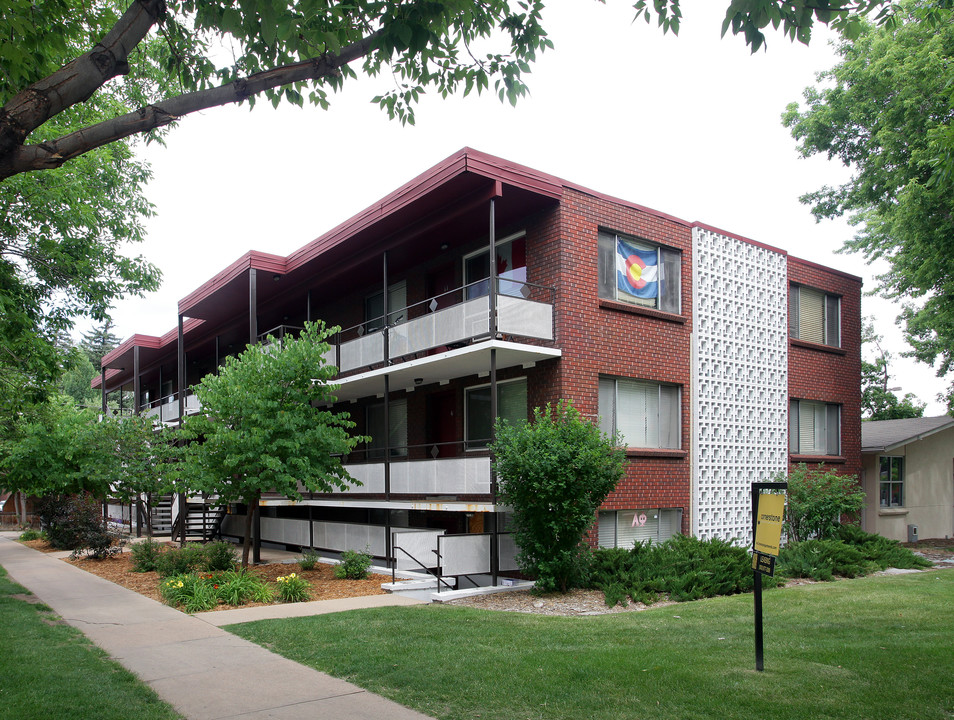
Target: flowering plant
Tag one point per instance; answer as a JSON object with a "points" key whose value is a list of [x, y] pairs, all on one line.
{"points": [[292, 588]]}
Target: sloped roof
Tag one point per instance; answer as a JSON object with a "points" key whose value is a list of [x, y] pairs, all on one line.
{"points": [[881, 435]]}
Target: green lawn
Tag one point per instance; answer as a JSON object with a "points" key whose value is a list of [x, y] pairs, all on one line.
{"points": [[880, 648], [50, 670]]}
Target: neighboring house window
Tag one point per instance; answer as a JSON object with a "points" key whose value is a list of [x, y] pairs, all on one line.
{"points": [[636, 272], [645, 413], [396, 436], [511, 406], [624, 528], [814, 316], [397, 307], [511, 268], [892, 482], [814, 428]]}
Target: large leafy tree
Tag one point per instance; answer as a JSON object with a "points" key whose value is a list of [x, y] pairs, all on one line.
{"points": [[878, 401], [265, 426], [885, 111], [290, 49]]}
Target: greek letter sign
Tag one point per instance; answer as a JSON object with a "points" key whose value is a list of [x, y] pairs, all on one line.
{"points": [[768, 529]]}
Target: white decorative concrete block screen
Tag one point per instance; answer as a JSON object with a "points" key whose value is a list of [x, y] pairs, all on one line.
{"points": [[739, 379], [464, 554], [418, 547]]}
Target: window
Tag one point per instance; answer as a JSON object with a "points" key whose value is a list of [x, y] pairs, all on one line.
{"points": [[397, 431], [892, 481], [636, 272], [645, 413], [397, 307], [624, 528], [814, 428], [511, 268], [511, 406], [814, 316]]}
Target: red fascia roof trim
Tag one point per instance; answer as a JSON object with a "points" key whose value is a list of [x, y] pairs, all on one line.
{"points": [[826, 268], [149, 341], [250, 260], [110, 374], [750, 241]]}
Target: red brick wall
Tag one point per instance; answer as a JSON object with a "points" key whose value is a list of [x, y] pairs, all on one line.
{"points": [[816, 372]]}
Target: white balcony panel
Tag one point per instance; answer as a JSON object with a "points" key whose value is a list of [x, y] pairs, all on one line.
{"points": [[465, 554], [363, 352], [151, 412], [527, 318], [450, 476], [331, 356], [192, 404], [371, 476], [169, 412], [507, 552], [421, 545], [444, 327], [350, 536]]}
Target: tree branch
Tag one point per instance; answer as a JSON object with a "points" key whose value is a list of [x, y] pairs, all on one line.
{"points": [[52, 154], [76, 81]]}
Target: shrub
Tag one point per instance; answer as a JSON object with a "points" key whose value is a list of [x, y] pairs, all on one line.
{"points": [[292, 588], [354, 565], [823, 560], [181, 561], [308, 560], [684, 568], [818, 501], [554, 472], [75, 522], [31, 534], [880, 550], [219, 556], [145, 555]]}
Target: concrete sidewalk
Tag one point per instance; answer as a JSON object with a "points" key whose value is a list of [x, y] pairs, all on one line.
{"points": [[203, 671]]}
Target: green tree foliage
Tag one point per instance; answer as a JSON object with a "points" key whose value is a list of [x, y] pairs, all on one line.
{"points": [[55, 449], [878, 402], [818, 501], [554, 472], [265, 426], [287, 50], [884, 111], [99, 341]]}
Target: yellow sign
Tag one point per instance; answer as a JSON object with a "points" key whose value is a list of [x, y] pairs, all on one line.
{"points": [[768, 530]]}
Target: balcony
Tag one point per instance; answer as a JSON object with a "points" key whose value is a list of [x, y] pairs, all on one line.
{"points": [[445, 337], [166, 409]]}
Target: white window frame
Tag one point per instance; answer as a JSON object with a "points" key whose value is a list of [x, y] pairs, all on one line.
{"points": [[889, 482], [668, 262], [481, 443], [668, 430], [799, 297], [508, 286], [814, 425]]}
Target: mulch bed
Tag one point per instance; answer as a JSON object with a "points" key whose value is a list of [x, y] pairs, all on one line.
{"points": [[324, 585]]}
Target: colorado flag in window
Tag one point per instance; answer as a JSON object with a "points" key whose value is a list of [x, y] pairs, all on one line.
{"points": [[637, 271]]}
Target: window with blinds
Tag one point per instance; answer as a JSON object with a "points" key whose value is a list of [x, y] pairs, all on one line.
{"points": [[646, 414], [814, 428], [814, 316], [511, 406], [624, 528], [395, 438], [667, 296]]}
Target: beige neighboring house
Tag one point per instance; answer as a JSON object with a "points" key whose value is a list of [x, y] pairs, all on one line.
{"points": [[908, 477]]}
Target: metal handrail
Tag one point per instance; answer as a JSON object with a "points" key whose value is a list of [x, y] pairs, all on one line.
{"points": [[426, 569]]}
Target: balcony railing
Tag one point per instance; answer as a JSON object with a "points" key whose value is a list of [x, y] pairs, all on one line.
{"points": [[523, 310], [166, 409]]}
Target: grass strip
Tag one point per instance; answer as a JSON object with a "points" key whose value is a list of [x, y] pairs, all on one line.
{"points": [[49, 669], [877, 647]]}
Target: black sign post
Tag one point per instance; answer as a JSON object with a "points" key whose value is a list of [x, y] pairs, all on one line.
{"points": [[759, 566]]}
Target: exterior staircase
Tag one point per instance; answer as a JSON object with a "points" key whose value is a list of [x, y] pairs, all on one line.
{"points": [[201, 520]]}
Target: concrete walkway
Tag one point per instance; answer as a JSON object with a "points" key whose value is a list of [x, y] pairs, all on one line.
{"points": [[203, 671]]}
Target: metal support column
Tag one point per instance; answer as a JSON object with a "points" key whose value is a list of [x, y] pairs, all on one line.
{"points": [[492, 266], [137, 385], [252, 340], [181, 380], [102, 386]]}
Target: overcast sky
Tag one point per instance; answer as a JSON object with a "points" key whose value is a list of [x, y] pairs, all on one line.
{"points": [[688, 125]]}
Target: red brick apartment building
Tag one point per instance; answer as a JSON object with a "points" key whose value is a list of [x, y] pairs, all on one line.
{"points": [[721, 360]]}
